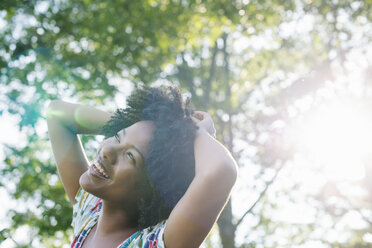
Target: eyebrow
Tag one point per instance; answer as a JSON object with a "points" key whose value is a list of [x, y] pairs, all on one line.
{"points": [[135, 148]]}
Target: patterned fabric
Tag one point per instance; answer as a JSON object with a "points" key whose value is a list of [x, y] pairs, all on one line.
{"points": [[86, 211]]}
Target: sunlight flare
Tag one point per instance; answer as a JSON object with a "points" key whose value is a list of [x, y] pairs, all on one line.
{"points": [[337, 138]]}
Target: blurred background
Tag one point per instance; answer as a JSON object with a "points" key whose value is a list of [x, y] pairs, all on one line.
{"points": [[288, 84]]}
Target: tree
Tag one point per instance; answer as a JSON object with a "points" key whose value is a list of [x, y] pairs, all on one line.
{"points": [[233, 57]]}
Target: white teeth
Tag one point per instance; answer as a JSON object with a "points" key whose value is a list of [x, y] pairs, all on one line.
{"points": [[99, 167]]}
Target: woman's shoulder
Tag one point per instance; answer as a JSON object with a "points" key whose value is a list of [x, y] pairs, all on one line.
{"points": [[85, 201], [85, 210]]}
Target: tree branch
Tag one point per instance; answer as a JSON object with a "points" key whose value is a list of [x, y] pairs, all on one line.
{"points": [[260, 196]]}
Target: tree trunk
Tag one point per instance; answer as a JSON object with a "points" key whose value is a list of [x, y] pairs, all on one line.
{"points": [[226, 227], [225, 224]]}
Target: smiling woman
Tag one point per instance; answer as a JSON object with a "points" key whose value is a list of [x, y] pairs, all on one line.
{"points": [[159, 178]]}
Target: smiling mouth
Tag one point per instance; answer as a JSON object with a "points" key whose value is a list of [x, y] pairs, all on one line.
{"points": [[98, 169]]}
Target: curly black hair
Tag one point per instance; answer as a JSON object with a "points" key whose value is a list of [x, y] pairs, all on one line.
{"points": [[170, 165]]}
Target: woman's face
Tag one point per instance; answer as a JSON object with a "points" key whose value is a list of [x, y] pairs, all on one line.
{"points": [[115, 174]]}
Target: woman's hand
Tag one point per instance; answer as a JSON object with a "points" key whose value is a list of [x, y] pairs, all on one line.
{"points": [[204, 121]]}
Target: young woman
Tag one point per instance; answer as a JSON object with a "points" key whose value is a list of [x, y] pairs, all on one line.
{"points": [[159, 179]]}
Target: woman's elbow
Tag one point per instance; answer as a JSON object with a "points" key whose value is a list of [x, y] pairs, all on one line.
{"points": [[232, 171], [228, 172], [52, 109]]}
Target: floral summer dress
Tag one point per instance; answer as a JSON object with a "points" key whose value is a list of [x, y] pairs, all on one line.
{"points": [[86, 211]]}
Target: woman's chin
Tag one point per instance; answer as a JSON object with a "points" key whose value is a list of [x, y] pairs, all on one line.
{"points": [[84, 181], [90, 183]]}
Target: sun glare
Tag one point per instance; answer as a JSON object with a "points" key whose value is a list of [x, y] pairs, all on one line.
{"points": [[337, 138]]}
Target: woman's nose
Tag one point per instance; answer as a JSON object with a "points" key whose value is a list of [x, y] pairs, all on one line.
{"points": [[109, 153]]}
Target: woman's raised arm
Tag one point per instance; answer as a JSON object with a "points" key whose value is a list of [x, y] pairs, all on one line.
{"points": [[215, 174], [65, 121]]}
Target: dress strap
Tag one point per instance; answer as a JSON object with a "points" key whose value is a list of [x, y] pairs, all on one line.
{"points": [[129, 240]]}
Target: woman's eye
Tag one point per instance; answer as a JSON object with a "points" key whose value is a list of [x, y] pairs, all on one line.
{"points": [[117, 138], [130, 155]]}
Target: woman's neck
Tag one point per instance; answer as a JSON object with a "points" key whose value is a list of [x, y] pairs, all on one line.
{"points": [[116, 219]]}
